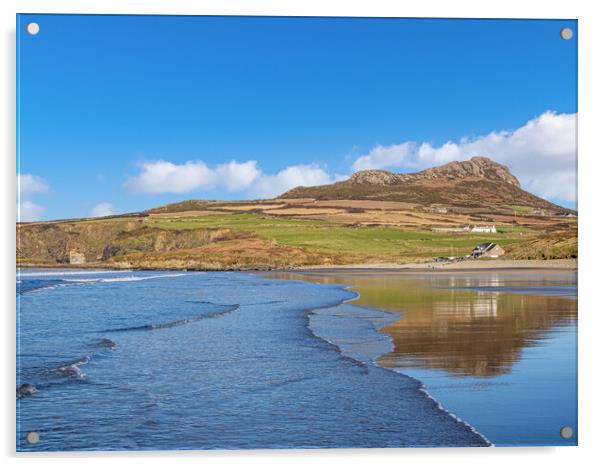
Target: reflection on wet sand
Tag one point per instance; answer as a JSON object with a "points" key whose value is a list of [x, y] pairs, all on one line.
{"points": [[466, 324]]}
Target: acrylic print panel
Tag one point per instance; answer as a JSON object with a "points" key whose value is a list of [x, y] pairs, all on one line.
{"points": [[263, 232]]}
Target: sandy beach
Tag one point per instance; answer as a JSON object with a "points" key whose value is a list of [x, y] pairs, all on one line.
{"points": [[472, 265], [567, 264]]}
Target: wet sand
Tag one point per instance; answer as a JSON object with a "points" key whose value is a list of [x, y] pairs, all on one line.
{"points": [[473, 265]]}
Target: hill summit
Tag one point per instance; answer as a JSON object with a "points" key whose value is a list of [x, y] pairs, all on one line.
{"points": [[477, 167], [477, 182]]}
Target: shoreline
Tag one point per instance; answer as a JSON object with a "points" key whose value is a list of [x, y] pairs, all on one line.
{"points": [[421, 386], [468, 265], [474, 265]]}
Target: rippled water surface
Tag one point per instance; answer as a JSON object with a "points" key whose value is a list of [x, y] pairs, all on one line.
{"points": [[157, 360], [496, 348]]}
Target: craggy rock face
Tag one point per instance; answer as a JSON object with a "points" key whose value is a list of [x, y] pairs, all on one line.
{"points": [[76, 258], [479, 167], [378, 177], [79, 243]]}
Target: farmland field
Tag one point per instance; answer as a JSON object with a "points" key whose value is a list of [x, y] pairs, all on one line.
{"points": [[290, 233], [381, 242]]}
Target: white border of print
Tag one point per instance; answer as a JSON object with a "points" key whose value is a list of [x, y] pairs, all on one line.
{"points": [[590, 194]]}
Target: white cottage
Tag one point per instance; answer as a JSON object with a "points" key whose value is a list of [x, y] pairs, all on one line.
{"points": [[485, 229]]}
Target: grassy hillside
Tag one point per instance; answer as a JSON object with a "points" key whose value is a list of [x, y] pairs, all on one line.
{"points": [[226, 236], [465, 193], [373, 217], [364, 242], [558, 246]]}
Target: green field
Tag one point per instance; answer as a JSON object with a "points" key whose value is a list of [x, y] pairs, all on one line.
{"points": [[381, 242], [523, 209], [108, 220]]}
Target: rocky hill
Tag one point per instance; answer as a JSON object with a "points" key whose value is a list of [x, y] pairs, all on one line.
{"points": [[373, 217], [476, 182]]}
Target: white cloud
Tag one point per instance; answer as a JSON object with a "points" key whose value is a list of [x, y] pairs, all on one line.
{"points": [[237, 176], [29, 184], [103, 209], [268, 186], [166, 177], [28, 211], [394, 156], [542, 154]]}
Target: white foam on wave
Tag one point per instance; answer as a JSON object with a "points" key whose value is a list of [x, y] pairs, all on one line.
{"points": [[45, 288], [74, 369], [449, 413], [131, 278], [52, 273]]}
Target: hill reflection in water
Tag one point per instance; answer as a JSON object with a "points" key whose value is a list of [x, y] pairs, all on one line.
{"points": [[468, 324]]}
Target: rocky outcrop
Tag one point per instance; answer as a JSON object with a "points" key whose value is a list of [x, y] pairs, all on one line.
{"points": [[478, 182], [84, 243], [76, 258], [26, 389], [477, 167], [377, 177]]}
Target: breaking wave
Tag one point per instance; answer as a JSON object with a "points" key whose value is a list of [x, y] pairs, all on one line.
{"points": [[38, 281], [177, 323], [50, 273], [131, 278], [73, 369], [30, 286]]}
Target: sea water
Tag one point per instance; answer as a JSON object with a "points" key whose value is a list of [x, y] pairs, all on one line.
{"points": [[188, 360], [497, 349]]}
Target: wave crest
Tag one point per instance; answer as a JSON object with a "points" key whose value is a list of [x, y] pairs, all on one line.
{"points": [[177, 323]]}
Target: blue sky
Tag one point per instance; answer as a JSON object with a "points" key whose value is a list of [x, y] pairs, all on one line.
{"points": [[124, 113]]}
